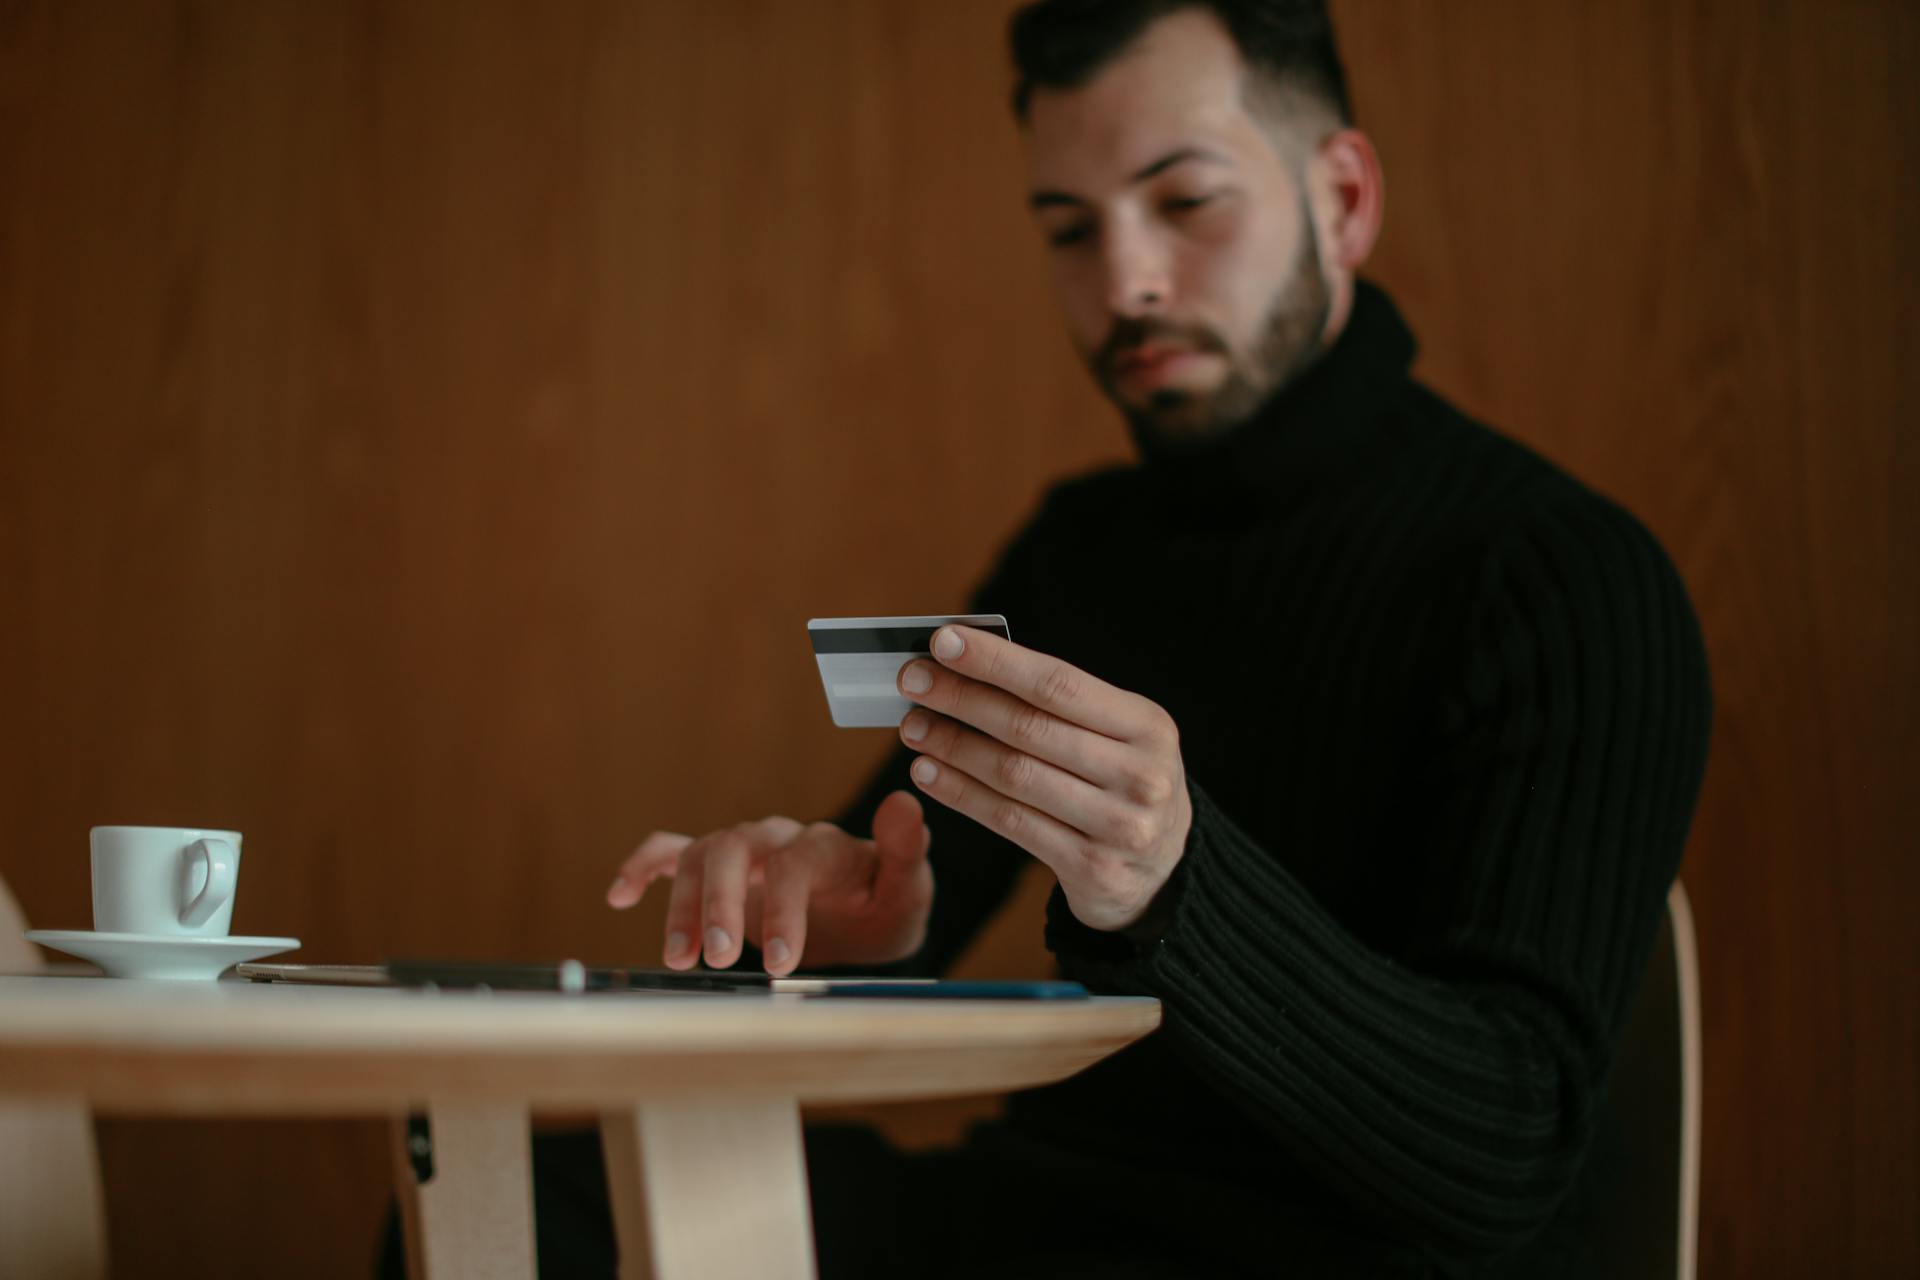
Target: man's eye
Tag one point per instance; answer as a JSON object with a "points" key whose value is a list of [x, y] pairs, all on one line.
{"points": [[1070, 235], [1186, 204]]}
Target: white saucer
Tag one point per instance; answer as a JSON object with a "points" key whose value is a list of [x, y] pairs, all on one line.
{"points": [[151, 955]]}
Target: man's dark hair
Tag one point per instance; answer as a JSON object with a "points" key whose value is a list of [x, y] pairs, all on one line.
{"points": [[1062, 44]]}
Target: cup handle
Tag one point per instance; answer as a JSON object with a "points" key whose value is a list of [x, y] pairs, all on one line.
{"points": [[222, 868]]}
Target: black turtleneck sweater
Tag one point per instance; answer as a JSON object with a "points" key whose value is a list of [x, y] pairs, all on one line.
{"points": [[1444, 713]]}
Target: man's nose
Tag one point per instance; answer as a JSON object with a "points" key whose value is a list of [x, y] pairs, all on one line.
{"points": [[1139, 275]]}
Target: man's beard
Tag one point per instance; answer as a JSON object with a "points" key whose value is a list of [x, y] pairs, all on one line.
{"points": [[1174, 421]]}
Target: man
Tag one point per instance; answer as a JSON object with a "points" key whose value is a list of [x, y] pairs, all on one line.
{"points": [[1360, 736]]}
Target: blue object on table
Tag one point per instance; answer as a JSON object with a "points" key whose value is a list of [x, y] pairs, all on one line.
{"points": [[957, 990]]}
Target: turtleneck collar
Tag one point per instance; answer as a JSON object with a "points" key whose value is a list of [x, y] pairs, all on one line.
{"points": [[1325, 414]]}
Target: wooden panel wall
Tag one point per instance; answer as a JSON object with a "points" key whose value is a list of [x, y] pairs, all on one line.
{"points": [[424, 428]]}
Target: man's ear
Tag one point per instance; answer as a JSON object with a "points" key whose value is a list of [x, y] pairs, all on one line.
{"points": [[1355, 196]]}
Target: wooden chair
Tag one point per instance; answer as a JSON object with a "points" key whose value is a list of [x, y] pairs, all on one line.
{"points": [[53, 1222], [1634, 1211], [1656, 1089]]}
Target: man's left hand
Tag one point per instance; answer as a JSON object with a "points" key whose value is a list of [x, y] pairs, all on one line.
{"points": [[1085, 777]]}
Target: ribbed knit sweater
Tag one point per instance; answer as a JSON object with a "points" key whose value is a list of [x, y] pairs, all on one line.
{"points": [[1444, 713]]}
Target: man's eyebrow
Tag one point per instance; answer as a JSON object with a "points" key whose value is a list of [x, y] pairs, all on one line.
{"points": [[1180, 156], [1047, 199]]}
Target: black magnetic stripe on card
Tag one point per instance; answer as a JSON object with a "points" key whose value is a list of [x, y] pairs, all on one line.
{"points": [[884, 639]]}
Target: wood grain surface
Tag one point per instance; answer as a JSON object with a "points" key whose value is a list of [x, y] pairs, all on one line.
{"points": [[198, 1048], [425, 428]]}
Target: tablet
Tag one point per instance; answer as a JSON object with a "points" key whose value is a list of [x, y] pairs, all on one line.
{"points": [[573, 976]]}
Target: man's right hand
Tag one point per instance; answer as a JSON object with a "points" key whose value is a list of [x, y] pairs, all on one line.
{"points": [[790, 889]]}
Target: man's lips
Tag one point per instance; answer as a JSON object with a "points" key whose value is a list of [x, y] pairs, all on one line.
{"points": [[1152, 364]]}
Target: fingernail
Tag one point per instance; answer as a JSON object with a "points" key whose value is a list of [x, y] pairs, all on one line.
{"points": [[619, 891], [778, 952], [925, 771], [676, 943], [947, 643], [717, 941], [914, 727], [918, 679]]}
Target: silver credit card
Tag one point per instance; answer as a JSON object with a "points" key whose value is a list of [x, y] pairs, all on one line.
{"points": [[860, 661]]}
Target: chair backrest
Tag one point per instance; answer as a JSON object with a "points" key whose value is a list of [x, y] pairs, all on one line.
{"points": [[53, 1220], [1687, 970], [1655, 1101], [1634, 1210]]}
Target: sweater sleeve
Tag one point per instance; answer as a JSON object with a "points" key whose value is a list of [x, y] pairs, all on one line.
{"points": [[1446, 1092]]}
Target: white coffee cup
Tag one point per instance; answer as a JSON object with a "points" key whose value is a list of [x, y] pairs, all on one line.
{"points": [[176, 881]]}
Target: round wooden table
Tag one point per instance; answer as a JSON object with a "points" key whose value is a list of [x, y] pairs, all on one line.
{"points": [[698, 1095]]}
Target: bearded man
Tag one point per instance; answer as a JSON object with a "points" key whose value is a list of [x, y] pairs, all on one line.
{"points": [[1359, 735]]}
